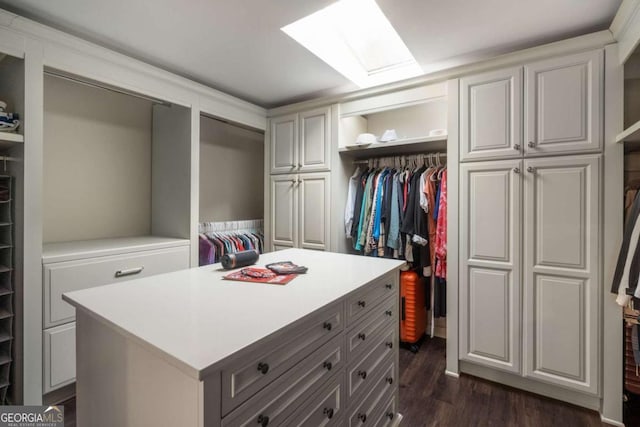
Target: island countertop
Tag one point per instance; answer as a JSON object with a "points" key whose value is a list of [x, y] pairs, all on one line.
{"points": [[194, 319]]}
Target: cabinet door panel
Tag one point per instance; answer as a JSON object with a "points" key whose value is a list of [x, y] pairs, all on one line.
{"points": [[284, 143], [490, 211], [491, 110], [314, 210], [562, 231], [59, 355], [315, 139], [284, 210], [563, 104]]}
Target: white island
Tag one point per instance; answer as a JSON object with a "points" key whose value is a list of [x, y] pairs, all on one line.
{"points": [[190, 349]]}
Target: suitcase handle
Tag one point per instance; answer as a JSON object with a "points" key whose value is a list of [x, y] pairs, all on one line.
{"points": [[403, 309]]}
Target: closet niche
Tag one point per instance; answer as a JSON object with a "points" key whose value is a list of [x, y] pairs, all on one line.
{"points": [[116, 201]]}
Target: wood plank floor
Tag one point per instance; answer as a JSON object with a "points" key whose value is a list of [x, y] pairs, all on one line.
{"points": [[430, 398]]}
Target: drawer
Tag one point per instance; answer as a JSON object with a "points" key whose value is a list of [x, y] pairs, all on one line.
{"points": [[363, 301], [59, 356], [362, 374], [389, 414], [323, 409], [281, 398], [260, 365], [368, 409], [361, 333], [61, 277]]}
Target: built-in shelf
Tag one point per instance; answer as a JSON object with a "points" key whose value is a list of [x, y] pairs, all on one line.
{"points": [[408, 145], [9, 139], [630, 134]]}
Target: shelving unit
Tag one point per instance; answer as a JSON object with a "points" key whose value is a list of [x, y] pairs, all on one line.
{"points": [[631, 134], [407, 145], [6, 284]]}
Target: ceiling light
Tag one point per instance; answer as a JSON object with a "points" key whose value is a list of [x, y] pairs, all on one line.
{"points": [[357, 40]]}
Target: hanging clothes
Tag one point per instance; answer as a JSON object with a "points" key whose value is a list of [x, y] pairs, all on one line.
{"points": [[627, 255], [213, 245]]}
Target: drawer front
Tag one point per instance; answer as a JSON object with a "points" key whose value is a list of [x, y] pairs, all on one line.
{"points": [[259, 366], [59, 356], [323, 409], [366, 299], [281, 398], [388, 415], [362, 333], [361, 375], [61, 277], [368, 408]]}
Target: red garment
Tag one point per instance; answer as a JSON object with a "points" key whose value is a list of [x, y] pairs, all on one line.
{"points": [[441, 230]]}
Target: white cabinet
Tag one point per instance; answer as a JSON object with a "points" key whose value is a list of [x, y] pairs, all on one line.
{"points": [[490, 268], [536, 316], [59, 356], [555, 109], [561, 270], [300, 142], [491, 115], [300, 211]]}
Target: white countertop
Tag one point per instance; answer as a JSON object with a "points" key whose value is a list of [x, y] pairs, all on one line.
{"points": [[194, 319]]}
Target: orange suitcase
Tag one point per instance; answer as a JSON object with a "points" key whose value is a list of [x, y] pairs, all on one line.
{"points": [[413, 316]]}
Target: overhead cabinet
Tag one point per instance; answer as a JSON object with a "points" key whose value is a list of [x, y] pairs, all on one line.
{"points": [[300, 142], [547, 107], [300, 215]]}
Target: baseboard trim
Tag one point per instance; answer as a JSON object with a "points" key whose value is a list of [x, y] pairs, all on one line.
{"points": [[451, 374], [610, 421]]}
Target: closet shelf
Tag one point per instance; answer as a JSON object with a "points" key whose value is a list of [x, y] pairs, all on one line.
{"points": [[9, 139], [630, 134], [417, 144]]}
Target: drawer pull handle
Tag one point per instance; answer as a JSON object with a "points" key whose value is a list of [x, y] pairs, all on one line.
{"points": [[362, 303], [327, 366], [362, 374], [263, 420], [388, 286], [328, 412], [389, 380], [388, 313], [129, 272], [390, 415], [362, 336], [264, 368], [531, 144], [327, 326], [390, 344], [362, 417]]}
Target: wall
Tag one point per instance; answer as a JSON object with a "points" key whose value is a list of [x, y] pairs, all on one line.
{"points": [[97, 163], [231, 172]]}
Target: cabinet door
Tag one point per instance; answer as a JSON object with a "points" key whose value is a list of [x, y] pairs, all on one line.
{"points": [[491, 115], [314, 196], [561, 277], [315, 140], [59, 356], [563, 109], [284, 211], [490, 269], [284, 144]]}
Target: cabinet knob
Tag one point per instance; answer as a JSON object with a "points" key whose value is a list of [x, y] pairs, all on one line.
{"points": [[327, 326], [263, 420], [362, 303], [389, 344], [362, 336], [531, 144], [263, 367], [362, 417], [531, 169], [299, 165], [362, 374], [327, 365], [388, 286], [516, 170], [388, 313], [328, 412], [390, 415], [516, 147], [389, 380]]}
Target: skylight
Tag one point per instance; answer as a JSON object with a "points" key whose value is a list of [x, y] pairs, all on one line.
{"points": [[357, 40]]}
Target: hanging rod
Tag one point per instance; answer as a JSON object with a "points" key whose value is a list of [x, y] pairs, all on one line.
{"points": [[406, 157], [103, 86]]}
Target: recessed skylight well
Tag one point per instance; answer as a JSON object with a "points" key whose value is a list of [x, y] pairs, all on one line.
{"points": [[357, 40]]}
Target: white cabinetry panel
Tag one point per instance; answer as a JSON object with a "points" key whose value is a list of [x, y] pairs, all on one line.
{"points": [[59, 356], [284, 210], [284, 144], [314, 210], [315, 139]]}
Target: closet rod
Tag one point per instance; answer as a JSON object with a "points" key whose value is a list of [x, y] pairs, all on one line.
{"points": [[405, 157], [104, 86]]}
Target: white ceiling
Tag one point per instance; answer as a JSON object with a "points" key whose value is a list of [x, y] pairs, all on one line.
{"points": [[237, 46]]}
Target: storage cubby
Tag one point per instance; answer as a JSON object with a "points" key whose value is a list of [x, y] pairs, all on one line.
{"points": [[631, 133]]}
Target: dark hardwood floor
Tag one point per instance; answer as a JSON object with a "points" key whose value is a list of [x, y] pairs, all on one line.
{"points": [[430, 398]]}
